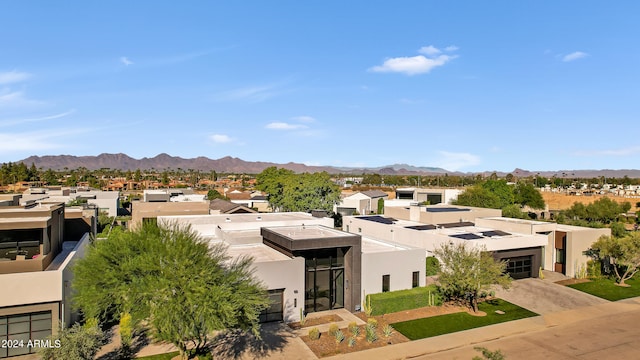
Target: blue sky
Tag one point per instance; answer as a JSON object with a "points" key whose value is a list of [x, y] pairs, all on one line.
{"points": [[463, 85]]}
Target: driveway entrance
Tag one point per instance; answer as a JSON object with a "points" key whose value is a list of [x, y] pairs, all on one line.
{"points": [[544, 297]]}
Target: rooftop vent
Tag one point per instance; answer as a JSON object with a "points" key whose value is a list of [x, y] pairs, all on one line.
{"points": [[227, 220], [259, 218]]}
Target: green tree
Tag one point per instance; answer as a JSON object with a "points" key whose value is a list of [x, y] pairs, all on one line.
{"points": [[623, 253], [514, 211], [618, 229], [526, 194], [272, 180], [137, 176], [478, 196], [466, 271], [381, 206], [74, 343], [305, 192], [215, 194], [170, 279]]}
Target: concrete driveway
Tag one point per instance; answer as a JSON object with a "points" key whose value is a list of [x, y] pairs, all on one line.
{"points": [[544, 297]]}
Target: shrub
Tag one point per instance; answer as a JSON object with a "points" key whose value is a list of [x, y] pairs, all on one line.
{"points": [[314, 334], [353, 328], [394, 301], [339, 335], [594, 269], [333, 329], [433, 266], [371, 335], [352, 341], [387, 330], [372, 323]]}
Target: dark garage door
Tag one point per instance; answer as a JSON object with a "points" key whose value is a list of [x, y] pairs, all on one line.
{"points": [[275, 309], [520, 267]]}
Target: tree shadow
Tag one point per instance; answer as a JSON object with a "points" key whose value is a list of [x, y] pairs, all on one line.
{"points": [[141, 339], [233, 344]]}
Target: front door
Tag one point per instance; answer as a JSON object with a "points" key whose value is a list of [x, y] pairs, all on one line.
{"points": [[324, 289]]}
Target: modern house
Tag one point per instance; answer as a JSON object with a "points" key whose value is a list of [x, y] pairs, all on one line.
{"points": [[35, 277], [433, 196], [306, 264], [166, 202], [105, 201], [564, 251], [363, 202], [219, 206]]}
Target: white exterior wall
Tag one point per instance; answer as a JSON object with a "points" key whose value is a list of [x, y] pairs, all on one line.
{"points": [[451, 195], [287, 275], [111, 204], [399, 264]]}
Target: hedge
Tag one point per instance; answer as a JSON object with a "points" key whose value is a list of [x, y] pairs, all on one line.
{"points": [[394, 301]]}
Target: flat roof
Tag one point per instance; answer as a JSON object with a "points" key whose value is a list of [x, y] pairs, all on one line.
{"points": [[445, 209], [517, 221], [25, 219], [370, 245], [303, 232], [259, 252]]}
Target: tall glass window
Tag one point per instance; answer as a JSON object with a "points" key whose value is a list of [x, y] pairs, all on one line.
{"points": [[22, 328]]}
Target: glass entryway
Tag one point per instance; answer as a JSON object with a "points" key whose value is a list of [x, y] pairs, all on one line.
{"points": [[324, 283]]}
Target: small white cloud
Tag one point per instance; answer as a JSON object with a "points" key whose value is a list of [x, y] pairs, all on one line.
{"points": [[10, 98], [22, 121], [412, 65], [284, 126], [456, 161], [221, 139], [429, 50], [420, 64], [632, 150], [451, 48], [574, 56], [14, 76], [125, 61], [304, 119]]}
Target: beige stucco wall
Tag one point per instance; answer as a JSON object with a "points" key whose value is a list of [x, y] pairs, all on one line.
{"points": [[399, 264], [287, 275], [142, 210]]}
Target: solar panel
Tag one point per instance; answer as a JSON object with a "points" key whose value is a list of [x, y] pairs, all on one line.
{"points": [[467, 236], [379, 219], [421, 227], [495, 233], [445, 209], [456, 224]]}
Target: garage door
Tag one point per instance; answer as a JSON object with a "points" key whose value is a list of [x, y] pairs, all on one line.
{"points": [[520, 267], [274, 311]]}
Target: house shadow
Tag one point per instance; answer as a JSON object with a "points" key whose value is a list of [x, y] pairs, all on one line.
{"points": [[140, 341], [237, 343]]}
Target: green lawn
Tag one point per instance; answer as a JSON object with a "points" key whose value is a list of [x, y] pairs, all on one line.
{"points": [[167, 356], [607, 289], [445, 324]]}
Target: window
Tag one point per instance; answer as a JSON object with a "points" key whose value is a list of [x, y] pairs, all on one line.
{"points": [[25, 327], [416, 279], [386, 279]]}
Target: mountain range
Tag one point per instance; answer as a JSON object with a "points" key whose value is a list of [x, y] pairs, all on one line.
{"points": [[230, 164]]}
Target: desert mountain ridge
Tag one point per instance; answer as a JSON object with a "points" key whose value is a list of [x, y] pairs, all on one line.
{"points": [[230, 164]]}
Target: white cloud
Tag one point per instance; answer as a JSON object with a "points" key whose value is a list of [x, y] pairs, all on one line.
{"points": [[420, 64], [429, 50], [14, 76], [221, 139], [10, 98], [251, 93], [125, 61], [22, 121], [632, 150], [456, 161], [451, 48], [40, 140], [284, 126], [304, 119], [574, 56]]}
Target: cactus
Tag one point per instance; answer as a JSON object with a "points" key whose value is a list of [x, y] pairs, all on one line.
{"points": [[339, 335], [303, 317], [366, 305]]}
